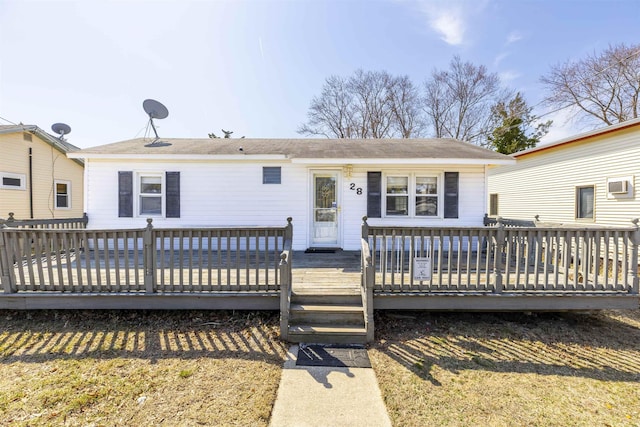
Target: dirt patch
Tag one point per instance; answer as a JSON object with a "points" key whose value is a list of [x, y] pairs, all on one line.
{"points": [[509, 369], [138, 367]]}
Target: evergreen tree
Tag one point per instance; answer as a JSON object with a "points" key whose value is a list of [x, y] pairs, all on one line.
{"points": [[515, 126]]}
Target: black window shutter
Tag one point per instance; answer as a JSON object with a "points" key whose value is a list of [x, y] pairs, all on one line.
{"points": [[125, 194], [172, 208], [374, 194], [451, 194]]}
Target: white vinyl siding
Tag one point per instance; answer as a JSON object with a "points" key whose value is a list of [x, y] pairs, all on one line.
{"points": [[544, 183], [227, 193]]}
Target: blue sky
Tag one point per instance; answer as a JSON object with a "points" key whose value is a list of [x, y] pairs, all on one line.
{"points": [[254, 66]]}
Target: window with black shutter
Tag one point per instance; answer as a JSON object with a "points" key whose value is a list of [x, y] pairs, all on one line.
{"points": [[125, 194], [374, 194], [172, 208], [451, 194]]}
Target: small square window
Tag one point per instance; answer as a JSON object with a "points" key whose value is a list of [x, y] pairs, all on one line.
{"points": [[271, 175], [63, 194]]}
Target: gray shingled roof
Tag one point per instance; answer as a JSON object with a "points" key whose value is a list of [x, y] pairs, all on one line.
{"points": [[303, 148]]}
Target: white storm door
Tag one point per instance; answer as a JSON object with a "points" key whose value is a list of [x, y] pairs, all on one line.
{"points": [[325, 212]]}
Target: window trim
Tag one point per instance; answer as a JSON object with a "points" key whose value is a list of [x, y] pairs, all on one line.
{"points": [[55, 193], [412, 194], [20, 176], [577, 203], [138, 194]]}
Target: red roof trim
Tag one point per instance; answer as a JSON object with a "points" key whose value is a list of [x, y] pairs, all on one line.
{"points": [[624, 125]]}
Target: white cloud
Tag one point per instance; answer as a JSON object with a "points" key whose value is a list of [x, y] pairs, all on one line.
{"points": [[508, 76], [513, 37], [450, 25], [499, 58], [447, 19]]}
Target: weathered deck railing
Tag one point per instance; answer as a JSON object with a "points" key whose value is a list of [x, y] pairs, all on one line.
{"points": [[368, 278], [508, 222], [286, 279], [142, 261], [499, 260], [58, 223]]}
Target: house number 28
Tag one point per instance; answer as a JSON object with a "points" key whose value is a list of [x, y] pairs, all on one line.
{"points": [[358, 190]]}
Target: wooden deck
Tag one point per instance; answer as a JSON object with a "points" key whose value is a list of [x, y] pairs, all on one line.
{"points": [[336, 273]]}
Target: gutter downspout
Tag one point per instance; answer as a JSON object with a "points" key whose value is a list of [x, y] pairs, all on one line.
{"points": [[31, 182]]}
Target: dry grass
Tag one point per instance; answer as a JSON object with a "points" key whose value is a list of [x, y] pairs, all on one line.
{"points": [[455, 369], [138, 368]]}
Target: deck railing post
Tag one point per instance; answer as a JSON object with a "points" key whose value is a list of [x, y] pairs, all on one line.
{"points": [[149, 253], [5, 272], [498, 265], [367, 289], [633, 261], [285, 291], [285, 279], [365, 228], [288, 230]]}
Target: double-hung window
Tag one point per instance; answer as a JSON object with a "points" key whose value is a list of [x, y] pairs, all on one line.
{"points": [[63, 194], [412, 195], [150, 195], [426, 196], [398, 195]]}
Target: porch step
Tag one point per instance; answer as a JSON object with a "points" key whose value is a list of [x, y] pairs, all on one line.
{"points": [[351, 314], [328, 334], [327, 317], [319, 298]]}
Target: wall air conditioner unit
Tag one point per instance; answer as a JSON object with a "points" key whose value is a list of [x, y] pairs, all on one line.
{"points": [[618, 186]]}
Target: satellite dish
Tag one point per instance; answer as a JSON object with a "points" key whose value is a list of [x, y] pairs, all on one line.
{"points": [[61, 129], [155, 110]]}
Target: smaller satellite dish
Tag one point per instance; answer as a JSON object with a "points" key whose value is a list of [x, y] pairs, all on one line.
{"points": [[61, 129], [154, 109]]}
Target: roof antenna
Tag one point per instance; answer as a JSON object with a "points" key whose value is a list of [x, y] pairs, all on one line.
{"points": [[155, 110], [61, 129]]}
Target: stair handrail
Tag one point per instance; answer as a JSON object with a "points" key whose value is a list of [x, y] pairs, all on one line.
{"points": [[367, 280], [285, 279]]}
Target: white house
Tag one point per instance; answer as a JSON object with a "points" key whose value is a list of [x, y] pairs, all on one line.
{"points": [[326, 185], [587, 179]]}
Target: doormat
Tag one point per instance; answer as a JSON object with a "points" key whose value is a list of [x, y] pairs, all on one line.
{"points": [[330, 356], [321, 251]]}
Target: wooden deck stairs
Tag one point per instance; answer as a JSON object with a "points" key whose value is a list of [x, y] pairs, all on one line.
{"points": [[333, 318], [326, 302]]}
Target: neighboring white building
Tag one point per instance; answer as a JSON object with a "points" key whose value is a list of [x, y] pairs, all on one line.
{"points": [[588, 178], [326, 185]]}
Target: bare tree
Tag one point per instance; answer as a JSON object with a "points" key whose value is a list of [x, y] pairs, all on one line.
{"points": [[373, 114], [407, 118], [368, 104], [602, 87], [458, 101], [332, 113]]}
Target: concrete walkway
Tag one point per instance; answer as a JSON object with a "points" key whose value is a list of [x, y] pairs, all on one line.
{"points": [[311, 396]]}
